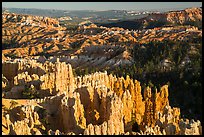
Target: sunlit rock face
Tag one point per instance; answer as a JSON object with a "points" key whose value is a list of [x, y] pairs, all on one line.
{"points": [[189, 14], [28, 35], [94, 104]]}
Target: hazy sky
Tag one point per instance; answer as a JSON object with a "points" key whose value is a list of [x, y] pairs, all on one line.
{"points": [[102, 5]]}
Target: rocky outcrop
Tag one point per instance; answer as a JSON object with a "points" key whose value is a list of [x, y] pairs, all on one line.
{"points": [[113, 123], [23, 120], [72, 114], [47, 78], [177, 17], [94, 104], [29, 20], [189, 14], [190, 127]]}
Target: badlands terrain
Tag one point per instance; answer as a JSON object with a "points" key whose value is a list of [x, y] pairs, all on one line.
{"points": [[45, 91]]}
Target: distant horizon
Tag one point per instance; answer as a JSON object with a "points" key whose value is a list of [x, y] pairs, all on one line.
{"points": [[101, 6], [101, 10]]}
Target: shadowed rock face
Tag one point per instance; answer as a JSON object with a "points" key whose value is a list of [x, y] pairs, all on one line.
{"points": [[95, 104]]}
